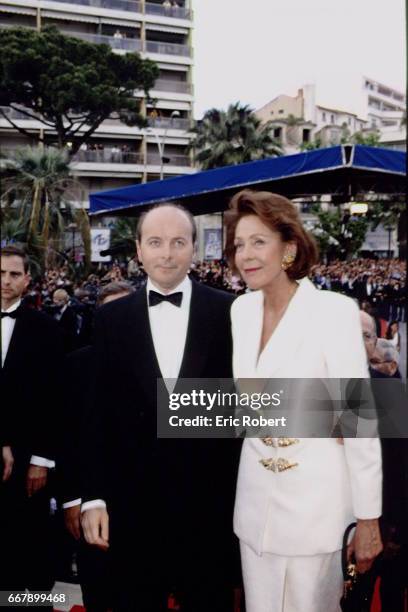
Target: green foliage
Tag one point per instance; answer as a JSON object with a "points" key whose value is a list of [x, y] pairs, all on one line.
{"points": [[40, 199], [234, 136], [385, 213], [71, 86], [370, 140], [312, 145], [339, 235], [123, 235]]}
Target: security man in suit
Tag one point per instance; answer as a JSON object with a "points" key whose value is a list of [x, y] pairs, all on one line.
{"points": [[32, 351]]}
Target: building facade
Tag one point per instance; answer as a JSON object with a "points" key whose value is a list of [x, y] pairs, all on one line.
{"points": [[119, 155]]}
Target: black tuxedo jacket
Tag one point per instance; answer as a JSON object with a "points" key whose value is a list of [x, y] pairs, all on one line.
{"points": [[171, 496], [30, 387]]}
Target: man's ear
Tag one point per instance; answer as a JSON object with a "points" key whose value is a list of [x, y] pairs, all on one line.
{"points": [[139, 251], [27, 280]]}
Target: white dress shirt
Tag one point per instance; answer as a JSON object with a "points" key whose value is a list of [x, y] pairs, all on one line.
{"points": [[7, 328], [168, 324]]}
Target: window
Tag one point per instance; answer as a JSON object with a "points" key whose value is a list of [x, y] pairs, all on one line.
{"points": [[332, 119], [305, 135], [323, 116], [349, 120], [281, 111], [277, 133]]}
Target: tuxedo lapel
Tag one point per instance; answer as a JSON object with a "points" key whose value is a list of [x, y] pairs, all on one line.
{"points": [[139, 341], [199, 332], [20, 337]]}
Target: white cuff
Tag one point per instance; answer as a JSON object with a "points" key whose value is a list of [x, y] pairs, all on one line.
{"points": [[42, 462], [94, 503], [71, 504]]}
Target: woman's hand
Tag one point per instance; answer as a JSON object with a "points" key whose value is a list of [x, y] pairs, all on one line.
{"points": [[366, 544]]}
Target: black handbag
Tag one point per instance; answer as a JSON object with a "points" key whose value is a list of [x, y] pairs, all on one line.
{"points": [[358, 588]]}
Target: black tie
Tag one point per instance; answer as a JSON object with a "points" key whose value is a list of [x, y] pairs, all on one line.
{"points": [[12, 315], [174, 298]]}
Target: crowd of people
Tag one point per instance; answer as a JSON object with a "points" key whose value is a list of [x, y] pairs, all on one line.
{"points": [[378, 285], [150, 519]]}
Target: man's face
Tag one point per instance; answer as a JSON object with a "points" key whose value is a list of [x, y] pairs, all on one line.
{"points": [[14, 280], [369, 334], [166, 247]]}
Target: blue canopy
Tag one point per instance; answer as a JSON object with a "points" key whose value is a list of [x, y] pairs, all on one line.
{"points": [[342, 171]]}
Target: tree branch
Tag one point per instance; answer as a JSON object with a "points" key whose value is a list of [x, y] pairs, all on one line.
{"points": [[23, 112], [18, 128]]}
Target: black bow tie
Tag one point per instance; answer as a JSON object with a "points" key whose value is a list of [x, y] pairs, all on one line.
{"points": [[13, 315], [156, 298]]}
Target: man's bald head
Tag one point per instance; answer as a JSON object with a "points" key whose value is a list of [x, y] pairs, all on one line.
{"points": [[60, 297], [369, 333], [167, 205]]}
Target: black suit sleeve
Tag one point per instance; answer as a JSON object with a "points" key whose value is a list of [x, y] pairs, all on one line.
{"points": [[95, 435], [79, 371]]}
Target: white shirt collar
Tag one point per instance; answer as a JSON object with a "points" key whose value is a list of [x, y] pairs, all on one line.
{"points": [[13, 307], [184, 287]]}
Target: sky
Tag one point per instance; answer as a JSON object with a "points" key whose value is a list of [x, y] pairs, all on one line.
{"points": [[253, 50]]}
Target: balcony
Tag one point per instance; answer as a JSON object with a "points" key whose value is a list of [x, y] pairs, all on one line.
{"points": [[118, 5], [154, 159], [177, 12], [169, 123], [167, 48], [108, 156], [116, 42], [173, 86]]}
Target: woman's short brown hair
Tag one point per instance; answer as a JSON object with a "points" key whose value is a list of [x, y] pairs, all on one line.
{"points": [[280, 215]]}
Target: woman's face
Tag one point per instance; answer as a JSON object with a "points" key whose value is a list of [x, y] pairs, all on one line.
{"points": [[259, 252]]}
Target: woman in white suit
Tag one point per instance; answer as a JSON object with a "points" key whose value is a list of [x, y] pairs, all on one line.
{"points": [[295, 497]]}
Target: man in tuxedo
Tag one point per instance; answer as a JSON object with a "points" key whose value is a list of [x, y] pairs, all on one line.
{"points": [[32, 351], [164, 507]]}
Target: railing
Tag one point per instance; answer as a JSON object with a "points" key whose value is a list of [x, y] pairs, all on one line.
{"points": [[169, 123], [173, 86], [121, 5], [16, 114], [108, 156], [116, 42], [175, 160], [167, 48], [177, 12]]}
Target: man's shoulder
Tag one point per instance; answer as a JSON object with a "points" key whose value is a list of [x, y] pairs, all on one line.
{"points": [[39, 319], [120, 306]]}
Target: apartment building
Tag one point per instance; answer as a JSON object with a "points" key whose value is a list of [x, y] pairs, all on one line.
{"points": [[298, 120], [119, 155]]}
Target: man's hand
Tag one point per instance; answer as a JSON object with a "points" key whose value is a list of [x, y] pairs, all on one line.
{"points": [[95, 525], [72, 520], [8, 461], [36, 479], [366, 544]]}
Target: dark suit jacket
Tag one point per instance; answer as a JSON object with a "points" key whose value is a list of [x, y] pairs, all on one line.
{"points": [[79, 371], [30, 389], [69, 324], [170, 497]]}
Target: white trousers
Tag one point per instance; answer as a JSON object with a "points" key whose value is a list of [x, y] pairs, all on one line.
{"points": [[291, 584]]}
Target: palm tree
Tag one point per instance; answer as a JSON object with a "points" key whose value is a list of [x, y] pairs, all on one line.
{"points": [[38, 187], [234, 136]]}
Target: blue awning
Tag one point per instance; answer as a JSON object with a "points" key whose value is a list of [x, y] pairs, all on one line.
{"points": [[342, 171]]}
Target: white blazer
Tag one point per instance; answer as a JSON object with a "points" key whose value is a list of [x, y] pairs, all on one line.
{"points": [[305, 509]]}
